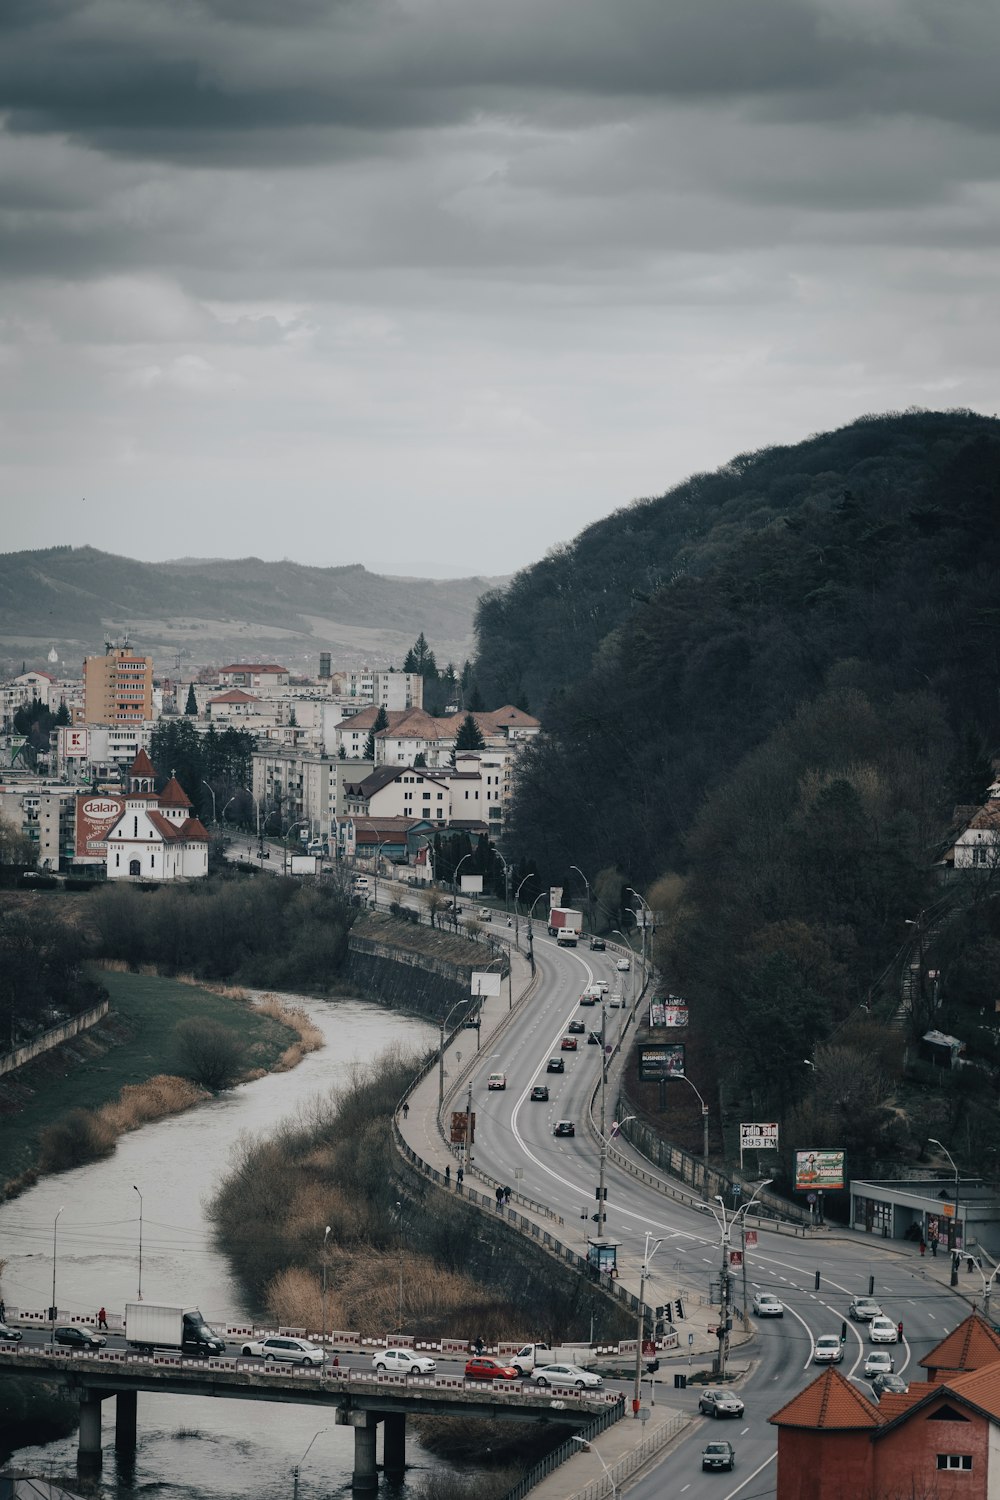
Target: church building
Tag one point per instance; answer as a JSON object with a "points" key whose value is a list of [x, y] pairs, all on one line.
{"points": [[156, 838]]}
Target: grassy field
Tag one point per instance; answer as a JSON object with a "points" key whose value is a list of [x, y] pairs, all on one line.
{"points": [[135, 1042]]}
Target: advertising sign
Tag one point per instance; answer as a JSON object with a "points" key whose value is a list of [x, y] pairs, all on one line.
{"points": [[72, 742], [555, 896], [668, 1010], [471, 885], [750, 1239], [759, 1137], [818, 1169], [735, 1259], [661, 1060], [459, 1119], [484, 983], [95, 818]]}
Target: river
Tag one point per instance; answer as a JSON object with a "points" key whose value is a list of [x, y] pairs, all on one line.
{"points": [[189, 1447]]}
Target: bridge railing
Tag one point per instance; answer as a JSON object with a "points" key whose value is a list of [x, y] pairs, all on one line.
{"points": [[567, 1450]]}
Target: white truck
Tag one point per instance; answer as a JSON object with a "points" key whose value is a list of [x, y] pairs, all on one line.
{"points": [[565, 925], [150, 1325], [530, 1356]]}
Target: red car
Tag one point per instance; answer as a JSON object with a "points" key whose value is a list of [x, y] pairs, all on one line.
{"points": [[482, 1367], [568, 1044]]}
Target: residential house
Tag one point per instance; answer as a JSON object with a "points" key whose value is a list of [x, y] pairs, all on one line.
{"points": [[118, 687], [255, 676]]}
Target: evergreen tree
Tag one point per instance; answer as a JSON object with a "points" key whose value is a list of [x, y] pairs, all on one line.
{"points": [[191, 706], [62, 715]]}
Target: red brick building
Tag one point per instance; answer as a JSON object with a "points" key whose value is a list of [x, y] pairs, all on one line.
{"points": [[939, 1441]]}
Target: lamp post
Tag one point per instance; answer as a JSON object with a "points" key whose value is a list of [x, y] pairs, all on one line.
{"points": [[399, 1215], [517, 893], [295, 1471], [326, 1236], [211, 792], [378, 852], [647, 1256], [506, 881], [953, 1224], [228, 806], [646, 911], [454, 887], [590, 899], [531, 933], [444, 1022], [589, 1448], [54, 1309], [987, 1280], [683, 1078], [725, 1234], [136, 1190]]}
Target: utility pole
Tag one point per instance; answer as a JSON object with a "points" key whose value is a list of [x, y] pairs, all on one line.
{"points": [[601, 1214], [468, 1132]]}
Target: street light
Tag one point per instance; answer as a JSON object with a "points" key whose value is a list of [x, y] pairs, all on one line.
{"points": [[725, 1232], [454, 887], [683, 1078], [531, 932], [53, 1309], [506, 881], [378, 851], [517, 893], [647, 1256], [987, 1280], [399, 1213], [295, 1471], [645, 925], [590, 899], [953, 1224], [136, 1190], [215, 821], [589, 1448], [444, 1022], [322, 1331]]}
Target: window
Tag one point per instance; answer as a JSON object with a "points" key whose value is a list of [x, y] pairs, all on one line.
{"points": [[954, 1461]]}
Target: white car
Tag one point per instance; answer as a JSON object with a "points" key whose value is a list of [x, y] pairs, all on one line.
{"points": [[403, 1362], [879, 1362], [766, 1305], [289, 1350], [567, 1375], [497, 1081], [882, 1331], [829, 1350], [623, 965], [616, 1001]]}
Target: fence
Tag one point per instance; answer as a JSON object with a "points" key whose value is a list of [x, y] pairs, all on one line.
{"points": [[52, 1038], [556, 1459]]}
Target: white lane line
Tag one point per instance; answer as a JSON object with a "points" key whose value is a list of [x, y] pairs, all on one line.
{"points": [[743, 1484]]}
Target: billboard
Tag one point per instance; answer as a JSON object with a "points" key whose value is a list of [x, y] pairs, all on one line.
{"points": [[95, 818], [555, 896], [669, 1010], [484, 983], [72, 742], [759, 1137], [818, 1169], [471, 885], [661, 1060], [459, 1124]]}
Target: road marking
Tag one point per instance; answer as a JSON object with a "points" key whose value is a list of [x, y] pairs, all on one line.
{"points": [[743, 1484]]}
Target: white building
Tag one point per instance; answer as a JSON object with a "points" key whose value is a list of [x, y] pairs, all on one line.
{"points": [[156, 838], [22, 690]]}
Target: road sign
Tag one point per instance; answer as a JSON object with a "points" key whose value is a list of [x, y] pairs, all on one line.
{"points": [[691, 1339]]}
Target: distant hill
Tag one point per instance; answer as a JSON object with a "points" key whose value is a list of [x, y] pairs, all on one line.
{"points": [[218, 610]]}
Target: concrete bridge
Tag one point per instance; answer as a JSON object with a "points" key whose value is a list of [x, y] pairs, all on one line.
{"points": [[358, 1398]]}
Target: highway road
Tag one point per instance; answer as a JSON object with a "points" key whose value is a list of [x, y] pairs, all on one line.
{"points": [[515, 1144]]}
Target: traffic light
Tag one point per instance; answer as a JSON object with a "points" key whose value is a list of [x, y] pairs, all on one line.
{"points": [[679, 1308], [871, 1286], [598, 1194], [843, 1333]]}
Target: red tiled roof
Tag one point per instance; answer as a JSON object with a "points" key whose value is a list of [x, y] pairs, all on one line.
{"points": [[174, 795], [830, 1403], [235, 695], [143, 766], [968, 1347], [253, 666], [177, 833], [979, 1387]]}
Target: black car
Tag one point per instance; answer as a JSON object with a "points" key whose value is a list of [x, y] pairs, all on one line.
{"points": [[593, 1040], [597, 945], [577, 1028], [889, 1385], [555, 1065], [564, 1127], [718, 1456], [9, 1335], [79, 1338], [540, 1092]]}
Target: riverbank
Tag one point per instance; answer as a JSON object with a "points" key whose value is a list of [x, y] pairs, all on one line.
{"points": [[126, 1072]]}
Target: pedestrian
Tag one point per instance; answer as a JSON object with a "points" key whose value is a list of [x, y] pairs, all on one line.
{"points": [[506, 1195], [102, 1319], [923, 1247], [460, 1175], [934, 1244], [447, 1176], [499, 1198], [406, 1111], [3, 1311], [969, 1263]]}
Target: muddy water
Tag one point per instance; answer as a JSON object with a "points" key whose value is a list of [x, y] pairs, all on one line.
{"points": [[189, 1447]]}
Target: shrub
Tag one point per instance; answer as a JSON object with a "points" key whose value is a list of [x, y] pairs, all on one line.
{"points": [[74, 1139], [211, 1054]]}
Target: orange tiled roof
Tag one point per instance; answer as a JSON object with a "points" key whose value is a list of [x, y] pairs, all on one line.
{"points": [[830, 1403], [143, 766], [893, 1404], [174, 795], [979, 1387], [174, 833], [235, 695], [968, 1347]]}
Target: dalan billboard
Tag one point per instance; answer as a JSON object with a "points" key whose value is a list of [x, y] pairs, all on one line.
{"points": [[818, 1170], [95, 818]]}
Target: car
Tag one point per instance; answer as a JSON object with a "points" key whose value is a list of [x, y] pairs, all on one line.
{"points": [[829, 1350], [616, 1001], [879, 1362], [284, 1349], [583, 1380], [497, 1081], [577, 1027], [9, 1335], [555, 1065], [863, 1309], [593, 1040], [540, 1093], [586, 999], [720, 1404], [718, 1456], [623, 965], [767, 1305], [889, 1385], [403, 1362], [597, 945], [564, 1127], [882, 1330], [75, 1337], [484, 1367], [568, 1044]]}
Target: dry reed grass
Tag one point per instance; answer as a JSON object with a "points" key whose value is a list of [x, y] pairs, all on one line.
{"points": [[119, 966], [140, 1103], [310, 1036]]}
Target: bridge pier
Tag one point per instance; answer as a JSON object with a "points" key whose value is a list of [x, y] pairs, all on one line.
{"points": [[364, 1480], [126, 1410], [88, 1454], [394, 1447]]}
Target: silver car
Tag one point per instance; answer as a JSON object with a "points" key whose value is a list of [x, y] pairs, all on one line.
{"points": [[720, 1404], [403, 1362], [567, 1375], [288, 1350]]}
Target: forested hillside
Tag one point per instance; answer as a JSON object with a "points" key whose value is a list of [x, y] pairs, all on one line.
{"points": [[767, 691]]}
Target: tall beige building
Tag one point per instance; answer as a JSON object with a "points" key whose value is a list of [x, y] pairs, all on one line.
{"points": [[118, 687]]}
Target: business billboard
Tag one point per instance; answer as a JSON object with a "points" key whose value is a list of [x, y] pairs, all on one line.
{"points": [[661, 1060], [818, 1170], [95, 818]]}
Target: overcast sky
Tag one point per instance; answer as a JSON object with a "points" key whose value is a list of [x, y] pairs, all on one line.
{"points": [[431, 284]]}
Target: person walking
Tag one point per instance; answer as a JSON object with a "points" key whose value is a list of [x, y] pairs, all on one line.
{"points": [[460, 1176], [923, 1247], [102, 1319], [934, 1245], [406, 1111], [3, 1311], [447, 1176]]}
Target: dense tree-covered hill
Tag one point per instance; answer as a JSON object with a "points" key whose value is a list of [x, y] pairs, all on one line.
{"points": [[767, 691]]}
